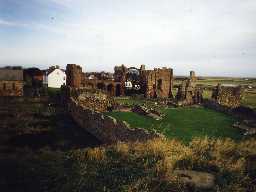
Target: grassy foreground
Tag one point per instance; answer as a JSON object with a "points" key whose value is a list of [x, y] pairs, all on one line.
{"points": [[185, 123], [132, 167]]}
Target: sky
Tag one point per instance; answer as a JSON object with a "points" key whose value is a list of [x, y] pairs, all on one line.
{"points": [[213, 38]]}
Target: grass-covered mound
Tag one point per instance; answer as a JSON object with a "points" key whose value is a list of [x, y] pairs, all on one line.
{"points": [[185, 123], [132, 167]]}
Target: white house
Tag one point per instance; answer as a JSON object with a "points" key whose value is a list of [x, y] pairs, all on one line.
{"points": [[128, 85], [56, 78]]}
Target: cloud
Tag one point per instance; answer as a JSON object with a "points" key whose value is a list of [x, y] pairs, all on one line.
{"points": [[63, 3], [11, 23], [211, 37]]}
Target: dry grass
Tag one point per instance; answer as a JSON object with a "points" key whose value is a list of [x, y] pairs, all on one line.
{"points": [[143, 166], [146, 166]]}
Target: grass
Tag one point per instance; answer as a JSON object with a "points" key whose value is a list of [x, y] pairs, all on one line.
{"points": [[131, 101], [235, 81], [185, 123], [122, 167], [132, 167], [53, 92]]}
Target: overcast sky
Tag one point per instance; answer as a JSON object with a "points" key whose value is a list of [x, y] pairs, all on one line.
{"points": [[211, 37]]}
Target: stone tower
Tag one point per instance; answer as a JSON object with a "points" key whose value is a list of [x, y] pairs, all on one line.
{"points": [[192, 76], [142, 67], [74, 75], [157, 83]]}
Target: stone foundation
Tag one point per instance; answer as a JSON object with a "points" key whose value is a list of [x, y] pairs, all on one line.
{"points": [[105, 128]]}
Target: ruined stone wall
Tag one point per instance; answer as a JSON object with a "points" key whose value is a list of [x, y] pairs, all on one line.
{"points": [[74, 75], [157, 83], [189, 94], [93, 99], [120, 76], [240, 112], [97, 101], [107, 129], [229, 96], [108, 86], [11, 88]]}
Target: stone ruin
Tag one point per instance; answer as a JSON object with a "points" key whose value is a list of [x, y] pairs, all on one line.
{"points": [[11, 81], [193, 76], [74, 75], [149, 112], [96, 101], [229, 96], [76, 79], [157, 83], [92, 99], [87, 107], [189, 94], [247, 126]]}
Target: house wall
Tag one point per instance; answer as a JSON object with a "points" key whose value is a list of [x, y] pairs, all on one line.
{"points": [[56, 79], [11, 88]]}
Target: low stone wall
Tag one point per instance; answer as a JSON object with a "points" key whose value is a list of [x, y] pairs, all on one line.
{"points": [[107, 129], [238, 112], [94, 99]]}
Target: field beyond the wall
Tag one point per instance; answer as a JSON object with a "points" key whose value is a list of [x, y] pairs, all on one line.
{"points": [[248, 84], [185, 123], [208, 83]]}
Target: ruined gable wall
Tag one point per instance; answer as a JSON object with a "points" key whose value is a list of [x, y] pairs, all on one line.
{"points": [[188, 93], [107, 129], [158, 82]]}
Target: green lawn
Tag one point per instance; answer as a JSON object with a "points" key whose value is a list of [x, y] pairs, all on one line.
{"points": [[185, 123]]}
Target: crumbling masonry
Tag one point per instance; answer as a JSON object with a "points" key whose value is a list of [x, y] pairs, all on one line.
{"points": [[157, 83], [188, 93], [229, 96], [74, 75]]}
